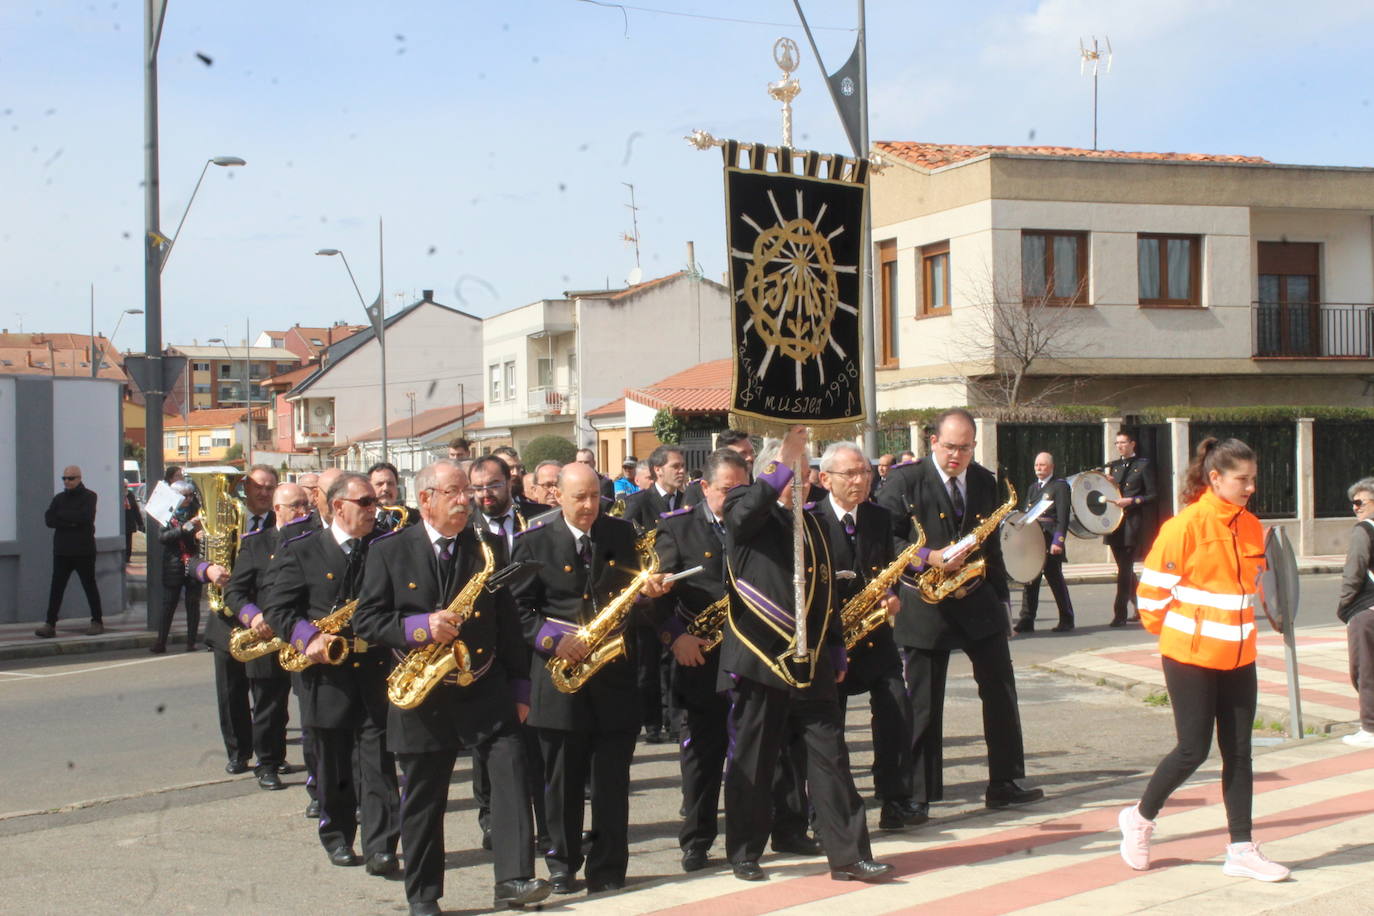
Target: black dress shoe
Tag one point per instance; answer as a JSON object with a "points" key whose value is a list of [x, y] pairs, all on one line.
{"points": [[425, 908], [800, 845], [1024, 626], [157, 648], [694, 860], [342, 855], [653, 735], [862, 870], [917, 813], [382, 863], [312, 810], [235, 767], [1062, 628], [268, 779], [895, 816], [602, 887], [286, 769], [748, 870], [1006, 794], [562, 883], [517, 892]]}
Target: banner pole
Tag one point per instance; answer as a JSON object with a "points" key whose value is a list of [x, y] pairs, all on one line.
{"points": [[800, 650]]}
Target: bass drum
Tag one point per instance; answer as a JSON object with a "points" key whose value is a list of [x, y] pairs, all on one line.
{"points": [[1023, 548], [1093, 516]]}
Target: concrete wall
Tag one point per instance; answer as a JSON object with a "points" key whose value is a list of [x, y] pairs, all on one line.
{"points": [[62, 421]]}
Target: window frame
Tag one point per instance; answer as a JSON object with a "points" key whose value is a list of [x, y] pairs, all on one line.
{"points": [[508, 372], [1194, 270], [494, 382], [887, 353], [929, 254], [1080, 298]]}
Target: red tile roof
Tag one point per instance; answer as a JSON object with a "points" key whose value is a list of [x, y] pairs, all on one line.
{"points": [[216, 416], [426, 421], [289, 379], [938, 155], [613, 409], [704, 388], [647, 284], [29, 354]]}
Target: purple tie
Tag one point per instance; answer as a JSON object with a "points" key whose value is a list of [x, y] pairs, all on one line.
{"points": [[848, 521], [584, 550]]}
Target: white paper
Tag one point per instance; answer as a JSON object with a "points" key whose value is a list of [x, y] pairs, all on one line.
{"points": [[1038, 510], [162, 503], [682, 575], [957, 548]]}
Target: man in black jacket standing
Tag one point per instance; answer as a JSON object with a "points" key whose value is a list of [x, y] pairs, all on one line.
{"points": [[588, 560], [772, 691], [949, 494], [859, 533], [412, 579], [1136, 478], [1054, 525], [71, 515]]}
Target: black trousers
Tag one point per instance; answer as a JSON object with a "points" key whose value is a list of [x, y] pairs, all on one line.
{"points": [[534, 775], [1053, 573], [926, 670], [62, 569], [890, 721], [791, 804], [171, 591], [1125, 579], [312, 760], [425, 800], [568, 759], [1203, 698], [649, 676], [760, 717], [341, 795]]}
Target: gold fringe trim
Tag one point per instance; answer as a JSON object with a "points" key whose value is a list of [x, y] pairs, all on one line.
{"points": [[829, 430]]}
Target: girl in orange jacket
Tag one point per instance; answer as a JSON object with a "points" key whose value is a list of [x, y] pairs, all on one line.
{"points": [[1198, 591]]}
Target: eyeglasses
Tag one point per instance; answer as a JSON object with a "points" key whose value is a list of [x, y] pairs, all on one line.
{"points": [[450, 492], [367, 502], [861, 472], [1357, 503], [956, 449], [65, 477], [489, 488]]}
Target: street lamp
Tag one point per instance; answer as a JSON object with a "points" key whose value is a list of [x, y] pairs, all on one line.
{"points": [[247, 397], [97, 355], [379, 325], [221, 161]]}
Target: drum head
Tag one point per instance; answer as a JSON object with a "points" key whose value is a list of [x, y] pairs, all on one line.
{"points": [[1093, 516], [1023, 548]]}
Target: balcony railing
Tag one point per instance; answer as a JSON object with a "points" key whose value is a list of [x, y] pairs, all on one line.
{"points": [[1313, 330], [548, 400]]}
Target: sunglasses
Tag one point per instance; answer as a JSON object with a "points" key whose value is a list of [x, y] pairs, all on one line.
{"points": [[65, 477], [367, 502], [1357, 503]]}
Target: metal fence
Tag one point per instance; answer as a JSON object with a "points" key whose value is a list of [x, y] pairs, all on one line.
{"points": [[1075, 447], [1275, 446], [1342, 453], [1315, 330]]}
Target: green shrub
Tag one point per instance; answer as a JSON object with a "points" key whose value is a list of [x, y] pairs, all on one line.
{"points": [[547, 448]]}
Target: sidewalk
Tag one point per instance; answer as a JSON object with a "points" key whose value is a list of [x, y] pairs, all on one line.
{"points": [[1328, 699]]}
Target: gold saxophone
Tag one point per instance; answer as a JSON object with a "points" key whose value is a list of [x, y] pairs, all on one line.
{"points": [[617, 509], [222, 517], [246, 645], [602, 635], [395, 517], [710, 623], [332, 624], [422, 669], [864, 612], [936, 585]]}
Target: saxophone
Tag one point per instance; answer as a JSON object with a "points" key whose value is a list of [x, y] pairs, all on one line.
{"points": [[710, 623], [332, 623], [246, 645], [602, 634], [936, 585], [864, 612], [422, 669], [222, 517]]}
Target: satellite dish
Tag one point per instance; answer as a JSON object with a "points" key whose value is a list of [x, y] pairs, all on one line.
{"points": [[635, 276]]}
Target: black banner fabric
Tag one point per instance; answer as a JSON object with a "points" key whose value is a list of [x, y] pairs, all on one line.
{"points": [[795, 268]]}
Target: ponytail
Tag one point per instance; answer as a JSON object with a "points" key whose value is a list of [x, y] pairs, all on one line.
{"points": [[1213, 455]]}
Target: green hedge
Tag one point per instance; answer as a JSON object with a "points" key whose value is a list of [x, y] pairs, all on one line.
{"points": [[1065, 413], [1256, 414], [548, 448]]}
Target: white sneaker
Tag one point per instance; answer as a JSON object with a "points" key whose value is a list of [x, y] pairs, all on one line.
{"points": [[1135, 837], [1244, 860], [1361, 738]]}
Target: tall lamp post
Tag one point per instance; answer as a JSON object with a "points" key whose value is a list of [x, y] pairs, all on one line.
{"points": [[379, 325], [97, 356]]}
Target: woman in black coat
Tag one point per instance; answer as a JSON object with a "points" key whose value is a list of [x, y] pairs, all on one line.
{"points": [[180, 556]]}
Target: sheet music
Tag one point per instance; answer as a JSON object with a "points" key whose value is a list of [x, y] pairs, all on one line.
{"points": [[1038, 510]]}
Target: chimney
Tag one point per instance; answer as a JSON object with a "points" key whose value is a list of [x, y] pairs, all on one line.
{"points": [[691, 257], [428, 295]]}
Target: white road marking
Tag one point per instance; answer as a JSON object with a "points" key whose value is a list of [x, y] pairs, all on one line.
{"points": [[137, 661]]}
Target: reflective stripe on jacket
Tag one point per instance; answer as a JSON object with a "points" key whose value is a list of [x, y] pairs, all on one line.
{"points": [[1198, 587]]}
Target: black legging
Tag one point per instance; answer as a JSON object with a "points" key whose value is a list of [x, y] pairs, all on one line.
{"points": [[1201, 697]]}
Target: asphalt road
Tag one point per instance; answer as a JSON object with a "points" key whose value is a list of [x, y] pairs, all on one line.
{"points": [[117, 761]]}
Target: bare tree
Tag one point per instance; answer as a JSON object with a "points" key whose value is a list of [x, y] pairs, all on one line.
{"points": [[1014, 334]]}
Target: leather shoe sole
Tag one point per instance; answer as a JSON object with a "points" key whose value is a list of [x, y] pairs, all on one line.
{"points": [[342, 856], [518, 892], [694, 860], [862, 870], [562, 883], [382, 863], [1013, 795], [748, 871], [603, 887], [268, 779], [235, 767]]}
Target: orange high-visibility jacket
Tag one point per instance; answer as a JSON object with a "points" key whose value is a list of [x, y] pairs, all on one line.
{"points": [[1198, 587]]}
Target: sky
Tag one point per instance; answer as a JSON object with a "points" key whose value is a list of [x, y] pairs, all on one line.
{"points": [[495, 140]]}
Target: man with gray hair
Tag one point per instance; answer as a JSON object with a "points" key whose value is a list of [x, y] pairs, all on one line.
{"points": [[1356, 608]]}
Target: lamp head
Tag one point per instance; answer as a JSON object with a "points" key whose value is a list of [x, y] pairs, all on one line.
{"points": [[133, 311], [227, 161], [328, 252]]}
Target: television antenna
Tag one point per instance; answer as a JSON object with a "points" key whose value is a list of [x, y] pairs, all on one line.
{"points": [[1093, 57], [632, 238]]}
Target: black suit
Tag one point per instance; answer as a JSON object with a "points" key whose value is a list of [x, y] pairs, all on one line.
{"points": [[765, 706], [653, 666], [875, 667], [977, 623], [405, 582], [264, 728], [1054, 525], [71, 516], [344, 706], [593, 729], [1136, 479]]}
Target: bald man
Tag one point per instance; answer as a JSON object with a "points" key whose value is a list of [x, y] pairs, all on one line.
{"points": [[586, 560], [71, 515]]}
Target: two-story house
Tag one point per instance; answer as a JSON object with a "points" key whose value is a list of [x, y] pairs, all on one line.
{"points": [[548, 363], [1159, 278], [220, 375]]}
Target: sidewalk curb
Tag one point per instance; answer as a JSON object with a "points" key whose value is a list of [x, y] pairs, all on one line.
{"points": [[1108, 577], [1142, 689], [49, 648]]}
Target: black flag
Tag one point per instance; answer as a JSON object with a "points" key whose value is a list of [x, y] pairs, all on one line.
{"points": [[847, 90]]}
